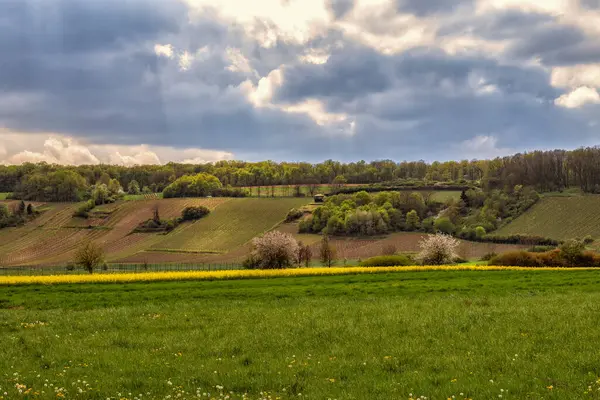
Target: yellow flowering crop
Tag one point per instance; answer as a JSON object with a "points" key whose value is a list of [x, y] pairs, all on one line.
{"points": [[247, 274]]}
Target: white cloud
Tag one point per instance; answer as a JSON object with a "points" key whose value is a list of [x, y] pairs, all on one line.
{"points": [[17, 148], [238, 62], [165, 50], [578, 97], [268, 20], [575, 76], [482, 147]]}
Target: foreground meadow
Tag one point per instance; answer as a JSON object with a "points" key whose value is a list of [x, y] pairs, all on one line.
{"points": [[439, 334]]}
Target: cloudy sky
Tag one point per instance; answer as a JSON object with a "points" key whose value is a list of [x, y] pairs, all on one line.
{"points": [[152, 81]]}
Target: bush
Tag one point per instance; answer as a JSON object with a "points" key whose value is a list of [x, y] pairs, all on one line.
{"points": [[588, 239], [554, 258], [438, 249], [444, 225], [488, 256], [530, 240], [293, 215], [389, 249], [479, 232], [387, 261], [251, 262], [540, 249], [571, 251], [194, 213], [84, 210]]}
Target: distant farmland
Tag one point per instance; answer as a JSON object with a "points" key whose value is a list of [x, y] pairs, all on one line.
{"points": [[231, 225], [559, 218]]}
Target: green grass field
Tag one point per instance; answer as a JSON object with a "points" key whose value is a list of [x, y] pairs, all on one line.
{"points": [[559, 218], [137, 197], [477, 335], [3, 196], [230, 225]]}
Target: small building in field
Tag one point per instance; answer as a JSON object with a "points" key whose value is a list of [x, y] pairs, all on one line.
{"points": [[319, 198]]}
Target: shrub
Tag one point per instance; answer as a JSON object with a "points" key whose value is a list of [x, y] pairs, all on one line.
{"points": [[516, 258], [479, 232], [530, 240], [571, 251], [293, 215], [387, 261], [194, 213], [488, 256], [389, 249], [275, 250], [84, 210], [428, 225], [251, 262], [540, 249], [553, 258], [437, 249], [444, 225], [588, 239]]}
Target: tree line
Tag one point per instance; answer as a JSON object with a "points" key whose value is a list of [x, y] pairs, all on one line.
{"points": [[544, 170]]}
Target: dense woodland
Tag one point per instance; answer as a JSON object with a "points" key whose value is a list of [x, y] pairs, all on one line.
{"points": [[471, 217], [543, 170]]}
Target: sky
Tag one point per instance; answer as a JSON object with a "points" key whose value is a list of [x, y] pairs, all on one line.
{"points": [[153, 81]]}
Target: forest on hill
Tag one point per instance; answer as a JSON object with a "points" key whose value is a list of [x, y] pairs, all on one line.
{"points": [[543, 170]]}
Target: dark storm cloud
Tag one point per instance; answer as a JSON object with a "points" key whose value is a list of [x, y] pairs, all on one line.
{"points": [[557, 45], [340, 7], [498, 25], [352, 72], [590, 4], [423, 8], [88, 69]]}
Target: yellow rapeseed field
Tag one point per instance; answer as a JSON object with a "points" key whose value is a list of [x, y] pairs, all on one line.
{"points": [[245, 274]]}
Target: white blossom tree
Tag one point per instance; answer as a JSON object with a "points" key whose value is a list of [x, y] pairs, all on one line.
{"points": [[438, 249], [275, 250]]}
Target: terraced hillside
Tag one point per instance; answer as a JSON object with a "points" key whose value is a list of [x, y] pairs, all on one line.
{"points": [[53, 237], [231, 225], [559, 218]]}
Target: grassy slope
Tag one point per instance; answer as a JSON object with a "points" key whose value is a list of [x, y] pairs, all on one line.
{"points": [[3, 196], [53, 237], [559, 218], [230, 225], [435, 334]]}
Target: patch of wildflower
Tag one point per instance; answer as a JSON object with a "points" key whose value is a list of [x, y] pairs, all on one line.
{"points": [[28, 325], [247, 274]]}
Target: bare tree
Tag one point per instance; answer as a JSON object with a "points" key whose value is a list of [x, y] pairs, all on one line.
{"points": [[90, 255], [304, 254], [327, 252]]}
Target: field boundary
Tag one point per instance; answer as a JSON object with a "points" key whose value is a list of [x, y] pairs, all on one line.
{"points": [[254, 274]]}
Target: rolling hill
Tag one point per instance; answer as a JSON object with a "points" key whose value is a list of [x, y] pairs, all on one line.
{"points": [[53, 237], [559, 218]]}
